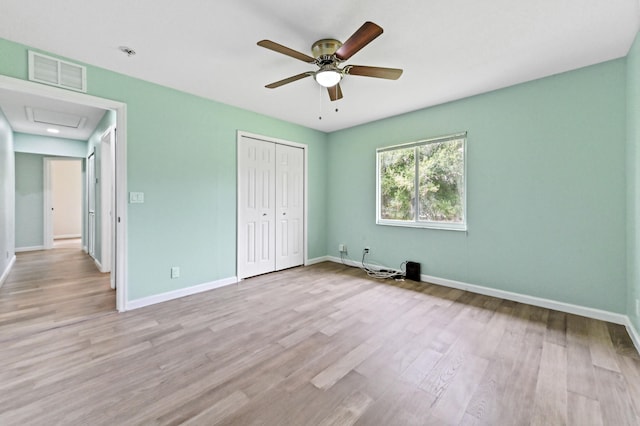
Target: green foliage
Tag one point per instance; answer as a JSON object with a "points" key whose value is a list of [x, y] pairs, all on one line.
{"points": [[398, 181], [440, 192], [441, 173]]}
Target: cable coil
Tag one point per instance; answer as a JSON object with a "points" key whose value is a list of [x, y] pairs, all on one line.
{"points": [[370, 269]]}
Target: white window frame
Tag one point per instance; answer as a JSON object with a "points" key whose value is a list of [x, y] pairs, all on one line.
{"points": [[416, 223]]}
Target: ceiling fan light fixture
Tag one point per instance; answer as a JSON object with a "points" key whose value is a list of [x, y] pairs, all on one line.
{"points": [[328, 77]]}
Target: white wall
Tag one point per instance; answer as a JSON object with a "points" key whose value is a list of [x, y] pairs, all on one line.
{"points": [[66, 189]]}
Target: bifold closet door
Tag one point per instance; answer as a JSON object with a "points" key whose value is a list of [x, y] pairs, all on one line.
{"points": [[256, 207], [289, 206], [270, 207]]}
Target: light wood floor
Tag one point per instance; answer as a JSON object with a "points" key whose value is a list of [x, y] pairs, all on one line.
{"points": [[320, 345], [51, 288]]}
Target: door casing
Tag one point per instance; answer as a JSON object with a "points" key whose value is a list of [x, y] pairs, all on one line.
{"points": [[120, 108]]}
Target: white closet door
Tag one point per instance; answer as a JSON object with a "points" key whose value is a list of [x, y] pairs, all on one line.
{"points": [[289, 206], [256, 207]]}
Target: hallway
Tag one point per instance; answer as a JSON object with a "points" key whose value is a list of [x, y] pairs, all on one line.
{"points": [[51, 288]]}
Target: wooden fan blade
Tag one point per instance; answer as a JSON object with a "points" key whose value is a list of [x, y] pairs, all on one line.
{"points": [[288, 80], [377, 72], [335, 92], [363, 36], [272, 45]]}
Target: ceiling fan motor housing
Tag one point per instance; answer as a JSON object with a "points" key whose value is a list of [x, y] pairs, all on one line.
{"points": [[325, 47]]}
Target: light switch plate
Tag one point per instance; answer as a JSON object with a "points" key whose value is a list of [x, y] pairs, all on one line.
{"points": [[175, 272], [136, 197]]}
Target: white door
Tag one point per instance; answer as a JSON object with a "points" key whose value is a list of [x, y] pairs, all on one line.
{"points": [[106, 203], [91, 201], [256, 202], [289, 206]]}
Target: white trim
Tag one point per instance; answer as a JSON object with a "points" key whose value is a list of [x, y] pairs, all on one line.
{"points": [[99, 265], [426, 225], [90, 201], [30, 248], [516, 297], [530, 300], [66, 236], [182, 292], [47, 238], [28, 87], [633, 333], [5, 274], [358, 264], [106, 201], [318, 260]]}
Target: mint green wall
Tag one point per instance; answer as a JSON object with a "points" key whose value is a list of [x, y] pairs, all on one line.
{"points": [[181, 152], [29, 200], [108, 120], [633, 179], [546, 189], [37, 144], [7, 188]]}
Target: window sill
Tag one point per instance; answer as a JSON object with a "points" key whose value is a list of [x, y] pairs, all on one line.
{"points": [[425, 225]]}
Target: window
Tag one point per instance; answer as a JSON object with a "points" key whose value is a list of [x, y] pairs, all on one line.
{"points": [[423, 184]]}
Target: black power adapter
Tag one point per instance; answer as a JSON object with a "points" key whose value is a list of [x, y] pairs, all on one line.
{"points": [[413, 271]]}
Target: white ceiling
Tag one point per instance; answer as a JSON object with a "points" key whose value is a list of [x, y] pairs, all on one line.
{"points": [[35, 114], [449, 49]]}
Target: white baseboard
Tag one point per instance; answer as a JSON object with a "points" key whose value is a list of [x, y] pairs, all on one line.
{"points": [[32, 248], [176, 294], [6, 271], [100, 267], [317, 260], [517, 297], [350, 262], [66, 236], [84, 249], [633, 333], [98, 264], [530, 300]]}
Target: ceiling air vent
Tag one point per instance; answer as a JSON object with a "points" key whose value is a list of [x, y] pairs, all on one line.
{"points": [[56, 72]]}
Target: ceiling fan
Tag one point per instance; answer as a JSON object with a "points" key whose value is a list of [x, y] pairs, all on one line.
{"points": [[328, 54]]}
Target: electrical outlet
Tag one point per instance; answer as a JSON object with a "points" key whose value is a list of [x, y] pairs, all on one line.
{"points": [[175, 272], [342, 248], [367, 249]]}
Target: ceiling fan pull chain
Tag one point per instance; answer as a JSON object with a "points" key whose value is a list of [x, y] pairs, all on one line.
{"points": [[320, 88]]}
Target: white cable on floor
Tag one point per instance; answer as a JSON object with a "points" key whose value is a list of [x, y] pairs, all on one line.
{"points": [[368, 268]]}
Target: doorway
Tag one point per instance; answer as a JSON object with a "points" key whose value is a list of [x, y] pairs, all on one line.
{"points": [[63, 186], [271, 215], [118, 238]]}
